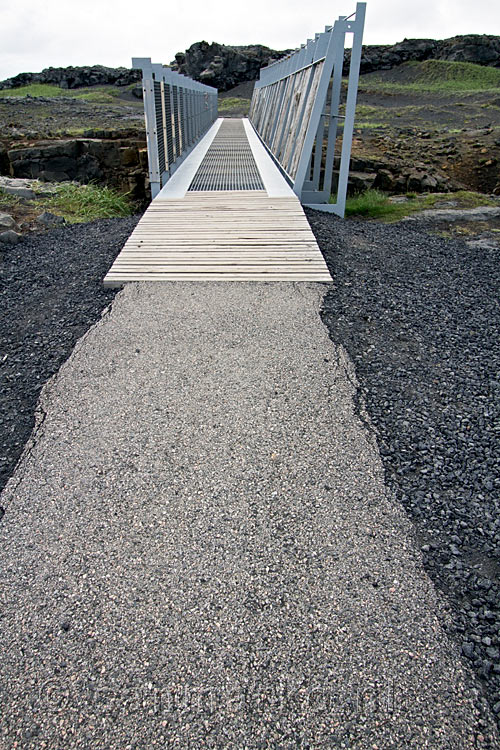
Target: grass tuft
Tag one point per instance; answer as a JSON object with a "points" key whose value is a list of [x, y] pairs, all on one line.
{"points": [[80, 203], [373, 204], [7, 200], [234, 103]]}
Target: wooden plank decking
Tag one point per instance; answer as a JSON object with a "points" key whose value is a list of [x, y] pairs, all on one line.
{"points": [[240, 234], [230, 236]]}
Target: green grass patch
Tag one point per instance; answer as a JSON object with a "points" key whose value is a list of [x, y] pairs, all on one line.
{"points": [[79, 203], [7, 200], [367, 112], [464, 198], [368, 117], [367, 125], [34, 89], [374, 204], [234, 103], [433, 75], [97, 94]]}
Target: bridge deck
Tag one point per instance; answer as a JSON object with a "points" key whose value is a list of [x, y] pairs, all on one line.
{"points": [[247, 225]]}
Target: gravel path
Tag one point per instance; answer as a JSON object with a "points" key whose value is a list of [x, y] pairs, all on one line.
{"points": [[420, 317], [200, 552], [50, 293]]}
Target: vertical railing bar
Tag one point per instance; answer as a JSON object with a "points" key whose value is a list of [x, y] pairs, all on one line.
{"points": [[164, 122], [152, 141], [334, 109], [350, 106]]}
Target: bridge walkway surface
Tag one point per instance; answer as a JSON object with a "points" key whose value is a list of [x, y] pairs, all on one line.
{"points": [[198, 548], [226, 214]]}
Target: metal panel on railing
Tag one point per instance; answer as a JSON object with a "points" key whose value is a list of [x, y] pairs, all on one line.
{"points": [[295, 111], [178, 112]]}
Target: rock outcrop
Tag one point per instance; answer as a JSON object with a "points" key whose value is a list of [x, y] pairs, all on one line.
{"points": [[74, 78], [393, 177], [117, 161], [224, 66], [482, 49]]}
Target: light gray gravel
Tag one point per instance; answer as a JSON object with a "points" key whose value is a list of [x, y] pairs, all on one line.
{"points": [[199, 551]]}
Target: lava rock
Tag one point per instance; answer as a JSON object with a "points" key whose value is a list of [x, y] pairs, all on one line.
{"points": [[10, 237], [7, 221], [49, 220], [76, 77]]}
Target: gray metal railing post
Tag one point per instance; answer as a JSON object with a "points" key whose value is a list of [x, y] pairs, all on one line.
{"points": [[350, 106], [151, 136], [333, 119]]}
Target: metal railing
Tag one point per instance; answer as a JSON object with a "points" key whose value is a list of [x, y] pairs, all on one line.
{"points": [[295, 111], [178, 112]]}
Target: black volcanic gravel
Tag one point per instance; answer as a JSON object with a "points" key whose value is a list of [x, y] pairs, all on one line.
{"points": [[419, 316], [50, 293]]}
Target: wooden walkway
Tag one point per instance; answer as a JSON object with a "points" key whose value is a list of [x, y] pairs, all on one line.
{"points": [[221, 235]]}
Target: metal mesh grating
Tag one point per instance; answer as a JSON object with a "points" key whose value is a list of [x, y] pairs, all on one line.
{"points": [[182, 124], [178, 146], [159, 128], [229, 162], [168, 117]]}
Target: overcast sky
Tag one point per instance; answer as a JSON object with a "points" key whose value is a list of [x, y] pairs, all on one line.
{"points": [[36, 34]]}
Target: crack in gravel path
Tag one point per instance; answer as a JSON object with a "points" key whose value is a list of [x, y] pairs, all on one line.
{"points": [[420, 318]]}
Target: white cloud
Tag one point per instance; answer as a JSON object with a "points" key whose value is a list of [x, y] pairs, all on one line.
{"points": [[37, 35]]}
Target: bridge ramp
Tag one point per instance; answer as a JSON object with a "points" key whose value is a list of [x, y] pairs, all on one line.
{"points": [[228, 216]]}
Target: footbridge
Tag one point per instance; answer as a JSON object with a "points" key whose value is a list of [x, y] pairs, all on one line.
{"points": [[227, 194], [199, 549]]}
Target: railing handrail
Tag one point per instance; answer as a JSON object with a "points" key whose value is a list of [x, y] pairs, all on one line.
{"points": [[178, 111]]}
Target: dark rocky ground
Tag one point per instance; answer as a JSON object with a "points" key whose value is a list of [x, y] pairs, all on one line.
{"points": [[452, 137], [419, 316], [50, 293], [403, 141], [25, 118]]}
